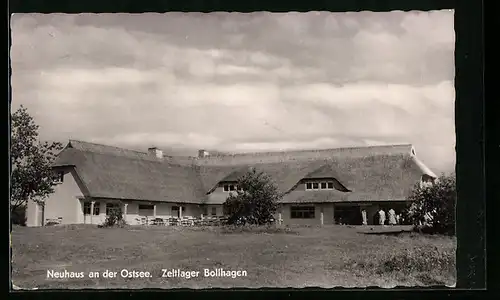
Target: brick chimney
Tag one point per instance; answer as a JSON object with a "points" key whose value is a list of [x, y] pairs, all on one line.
{"points": [[203, 153], [153, 151]]}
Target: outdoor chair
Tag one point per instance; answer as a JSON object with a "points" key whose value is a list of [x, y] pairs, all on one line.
{"points": [[143, 221], [160, 221], [186, 221], [151, 221], [173, 221], [49, 222]]}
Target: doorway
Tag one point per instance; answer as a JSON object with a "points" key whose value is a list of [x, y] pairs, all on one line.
{"points": [[40, 214], [348, 215], [376, 218], [176, 211]]}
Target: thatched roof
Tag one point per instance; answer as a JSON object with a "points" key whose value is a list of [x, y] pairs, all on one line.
{"points": [[117, 151], [374, 178], [124, 176], [370, 173]]}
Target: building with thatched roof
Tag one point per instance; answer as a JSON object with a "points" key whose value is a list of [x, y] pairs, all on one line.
{"points": [[318, 186]]}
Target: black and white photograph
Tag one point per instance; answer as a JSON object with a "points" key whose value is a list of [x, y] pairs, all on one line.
{"points": [[232, 150]]}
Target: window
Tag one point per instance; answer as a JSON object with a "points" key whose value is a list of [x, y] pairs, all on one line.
{"points": [[87, 207], [59, 177], [146, 210], [214, 211], [323, 185], [176, 212], [204, 210], [302, 212], [146, 207], [111, 207], [231, 187], [426, 181], [312, 186]]}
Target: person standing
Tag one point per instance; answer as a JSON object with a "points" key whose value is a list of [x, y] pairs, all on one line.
{"points": [[381, 216], [363, 216], [392, 217]]}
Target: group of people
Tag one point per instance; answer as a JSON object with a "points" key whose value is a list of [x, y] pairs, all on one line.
{"points": [[391, 218]]}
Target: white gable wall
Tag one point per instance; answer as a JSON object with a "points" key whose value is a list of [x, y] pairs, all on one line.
{"points": [[63, 203]]}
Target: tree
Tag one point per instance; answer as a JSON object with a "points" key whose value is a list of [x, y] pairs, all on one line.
{"points": [[255, 202], [31, 174], [432, 207]]}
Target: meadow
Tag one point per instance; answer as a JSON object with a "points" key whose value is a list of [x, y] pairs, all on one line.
{"points": [[328, 256]]}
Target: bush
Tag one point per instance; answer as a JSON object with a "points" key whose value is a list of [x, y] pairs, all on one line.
{"points": [[255, 203], [18, 215], [432, 208], [114, 218]]}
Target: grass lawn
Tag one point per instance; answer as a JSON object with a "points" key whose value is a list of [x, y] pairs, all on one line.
{"points": [[326, 256]]}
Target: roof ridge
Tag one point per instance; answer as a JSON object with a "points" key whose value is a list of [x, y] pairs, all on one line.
{"points": [[312, 150], [224, 154], [147, 158], [106, 145], [126, 149]]}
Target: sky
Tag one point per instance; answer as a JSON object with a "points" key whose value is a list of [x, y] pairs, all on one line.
{"points": [[238, 82]]}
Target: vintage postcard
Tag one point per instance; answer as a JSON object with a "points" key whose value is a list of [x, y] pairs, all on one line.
{"points": [[233, 150]]}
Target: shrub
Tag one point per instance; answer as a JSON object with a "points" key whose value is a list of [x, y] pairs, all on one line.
{"points": [[255, 203], [18, 215], [114, 218], [432, 208]]}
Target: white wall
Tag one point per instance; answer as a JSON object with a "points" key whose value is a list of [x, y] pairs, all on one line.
{"points": [[64, 202]]}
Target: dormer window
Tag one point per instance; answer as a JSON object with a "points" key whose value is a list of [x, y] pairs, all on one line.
{"points": [[317, 185], [231, 187], [426, 181], [59, 177], [323, 185]]}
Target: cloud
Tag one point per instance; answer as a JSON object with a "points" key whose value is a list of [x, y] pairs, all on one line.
{"points": [[240, 82]]}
